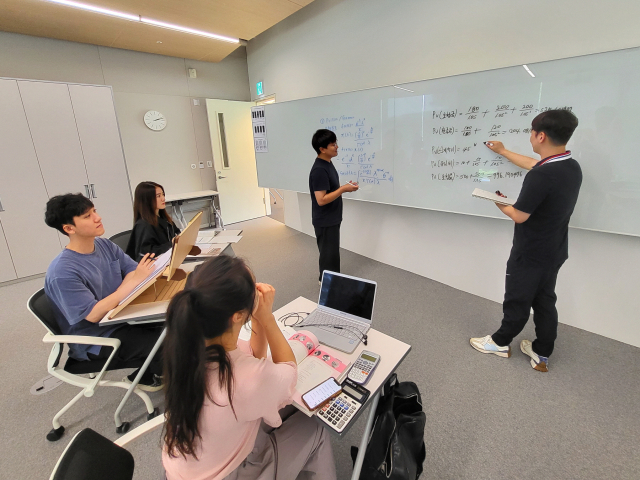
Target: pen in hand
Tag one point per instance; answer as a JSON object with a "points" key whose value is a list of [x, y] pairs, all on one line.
{"points": [[500, 194]]}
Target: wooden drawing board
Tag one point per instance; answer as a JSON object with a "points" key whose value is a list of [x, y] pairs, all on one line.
{"points": [[166, 283]]}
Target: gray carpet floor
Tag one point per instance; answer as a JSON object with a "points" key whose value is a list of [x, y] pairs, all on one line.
{"points": [[487, 417]]}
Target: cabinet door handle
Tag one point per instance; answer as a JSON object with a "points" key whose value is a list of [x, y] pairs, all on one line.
{"points": [[86, 189], [1, 207], [220, 177], [93, 190]]}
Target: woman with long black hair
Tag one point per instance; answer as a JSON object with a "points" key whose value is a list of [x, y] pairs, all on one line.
{"points": [[153, 228], [223, 396]]}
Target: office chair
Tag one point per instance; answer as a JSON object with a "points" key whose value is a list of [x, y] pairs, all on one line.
{"points": [[40, 306], [121, 239], [90, 456]]}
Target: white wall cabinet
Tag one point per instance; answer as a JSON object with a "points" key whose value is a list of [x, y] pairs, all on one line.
{"points": [[32, 244], [7, 270], [56, 138], [95, 116]]}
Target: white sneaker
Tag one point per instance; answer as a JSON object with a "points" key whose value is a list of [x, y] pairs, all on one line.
{"points": [[487, 345], [538, 362]]}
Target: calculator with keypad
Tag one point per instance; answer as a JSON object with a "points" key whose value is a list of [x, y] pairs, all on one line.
{"points": [[338, 411], [364, 367]]}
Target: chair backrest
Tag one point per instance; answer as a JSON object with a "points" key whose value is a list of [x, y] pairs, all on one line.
{"points": [[40, 306], [90, 456], [121, 239]]}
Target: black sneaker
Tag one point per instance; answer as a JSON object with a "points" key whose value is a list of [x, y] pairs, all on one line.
{"points": [[148, 386]]}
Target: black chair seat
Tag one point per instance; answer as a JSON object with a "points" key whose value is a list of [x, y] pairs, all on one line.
{"points": [[90, 456]]}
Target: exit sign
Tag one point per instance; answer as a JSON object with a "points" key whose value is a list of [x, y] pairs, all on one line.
{"points": [[259, 88]]}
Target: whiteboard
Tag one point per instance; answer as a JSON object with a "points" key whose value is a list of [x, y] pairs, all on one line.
{"points": [[421, 145]]}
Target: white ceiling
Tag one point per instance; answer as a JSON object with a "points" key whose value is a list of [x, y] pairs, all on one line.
{"points": [[242, 19]]}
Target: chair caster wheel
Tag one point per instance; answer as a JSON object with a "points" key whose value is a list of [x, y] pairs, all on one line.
{"points": [[155, 413], [124, 428], [55, 434]]}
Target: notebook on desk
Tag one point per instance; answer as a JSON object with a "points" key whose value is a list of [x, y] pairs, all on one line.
{"points": [[344, 313]]}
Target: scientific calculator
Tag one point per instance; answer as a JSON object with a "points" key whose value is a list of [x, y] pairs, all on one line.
{"points": [[364, 367]]}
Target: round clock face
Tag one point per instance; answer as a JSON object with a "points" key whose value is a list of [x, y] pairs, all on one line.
{"points": [[155, 120]]}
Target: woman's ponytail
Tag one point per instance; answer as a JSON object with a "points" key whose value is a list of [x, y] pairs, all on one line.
{"points": [[183, 351]]}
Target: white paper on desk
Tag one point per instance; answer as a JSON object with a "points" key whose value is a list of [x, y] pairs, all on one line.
{"points": [[205, 239], [212, 248], [228, 239], [208, 250], [478, 193], [232, 233], [159, 265]]}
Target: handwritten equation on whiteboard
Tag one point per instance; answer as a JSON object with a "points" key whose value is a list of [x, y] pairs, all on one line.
{"points": [[356, 158], [454, 141]]}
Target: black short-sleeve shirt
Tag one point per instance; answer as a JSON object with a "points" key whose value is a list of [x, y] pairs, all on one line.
{"points": [[324, 176], [549, 194]]}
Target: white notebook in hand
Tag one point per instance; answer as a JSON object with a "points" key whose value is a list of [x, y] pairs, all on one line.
{"points": [[493, 197]]}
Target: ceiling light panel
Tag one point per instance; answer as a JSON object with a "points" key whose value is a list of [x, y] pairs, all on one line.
{"points": [[145, 20]]}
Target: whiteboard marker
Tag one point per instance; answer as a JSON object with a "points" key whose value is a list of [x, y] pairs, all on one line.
{"points": [[489, 144]]}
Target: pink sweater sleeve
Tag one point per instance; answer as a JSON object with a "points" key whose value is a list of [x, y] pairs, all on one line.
{"points": [[265, 387]]}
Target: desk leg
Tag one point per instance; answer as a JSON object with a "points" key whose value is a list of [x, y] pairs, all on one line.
{"points": [[182, 219], [357, 466], [135, 382], [219, 222], [176, 216]]}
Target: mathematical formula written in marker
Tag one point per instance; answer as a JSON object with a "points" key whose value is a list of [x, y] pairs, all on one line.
{"points": [[356, 158], [454, 140]]}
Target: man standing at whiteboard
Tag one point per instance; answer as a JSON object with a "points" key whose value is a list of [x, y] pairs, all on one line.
{"points": [[540, 240], [326, 200]]}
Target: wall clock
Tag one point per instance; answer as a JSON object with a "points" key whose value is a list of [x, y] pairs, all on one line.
{"points": [[155, 120]]}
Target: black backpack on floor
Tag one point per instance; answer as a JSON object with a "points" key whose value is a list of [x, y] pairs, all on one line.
{"points": [[396, 447]]}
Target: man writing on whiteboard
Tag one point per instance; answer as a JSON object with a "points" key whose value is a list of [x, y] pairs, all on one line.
{"points": [[540, 240], [326, 199]]}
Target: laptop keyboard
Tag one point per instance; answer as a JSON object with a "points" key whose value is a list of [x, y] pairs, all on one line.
{"points": [[351, 330]]}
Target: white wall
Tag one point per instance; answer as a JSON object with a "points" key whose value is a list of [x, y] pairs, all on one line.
{"points": [[334, 46], [141, 82]]}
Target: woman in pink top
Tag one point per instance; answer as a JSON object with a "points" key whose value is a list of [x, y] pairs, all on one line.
{"points": [[223, 396]]}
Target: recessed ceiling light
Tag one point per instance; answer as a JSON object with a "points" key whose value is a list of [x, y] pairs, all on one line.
{"points": [[148, 21], [158, 41]]}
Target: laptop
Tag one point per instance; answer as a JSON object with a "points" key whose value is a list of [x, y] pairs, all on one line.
{"points": [[344, 313]]}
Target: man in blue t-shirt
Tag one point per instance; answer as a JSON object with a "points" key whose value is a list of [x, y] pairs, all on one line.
{"points": [[92, 276], [326, 200], [540, 239]]}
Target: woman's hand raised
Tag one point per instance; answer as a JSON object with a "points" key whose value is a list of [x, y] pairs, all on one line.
{"points": [[263, 311]]}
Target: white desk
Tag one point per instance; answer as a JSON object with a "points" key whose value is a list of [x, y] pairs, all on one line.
{"points": [[178, 200], [392, 352]]}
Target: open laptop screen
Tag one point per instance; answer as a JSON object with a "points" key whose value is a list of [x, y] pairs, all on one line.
{"points": [[348, 295]]}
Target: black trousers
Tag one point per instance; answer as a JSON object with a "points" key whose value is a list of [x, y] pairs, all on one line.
{"points": [[529, 285], [328, 239], [136, 341]]}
